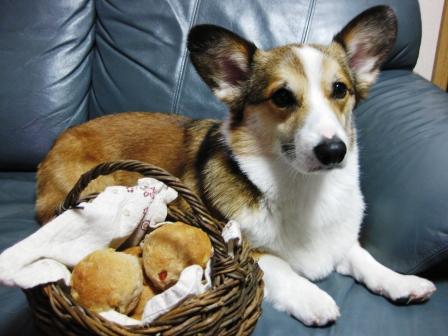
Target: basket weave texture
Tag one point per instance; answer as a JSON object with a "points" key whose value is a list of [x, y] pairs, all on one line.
{"points": [[231, 307]]}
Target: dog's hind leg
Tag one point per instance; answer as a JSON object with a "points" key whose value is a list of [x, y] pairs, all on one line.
{"points": [[288, 291], [381, 280]]}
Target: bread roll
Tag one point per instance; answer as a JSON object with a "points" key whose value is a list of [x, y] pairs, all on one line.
{"points": [[136, 251], [147, 294], [171, 248], [106, 280]]}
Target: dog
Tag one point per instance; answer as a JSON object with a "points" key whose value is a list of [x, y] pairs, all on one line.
{"points": [[284, 163]]}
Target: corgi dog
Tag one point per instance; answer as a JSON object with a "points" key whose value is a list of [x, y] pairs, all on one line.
{"points": [[283, 164]]}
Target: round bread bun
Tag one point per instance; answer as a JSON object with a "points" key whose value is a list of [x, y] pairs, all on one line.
{"points": [[169, 249], [135, 251], [106, 280], [147, 294]]}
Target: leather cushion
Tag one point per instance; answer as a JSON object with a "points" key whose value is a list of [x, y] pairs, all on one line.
{"points": [[364, 313], [403, 136]]}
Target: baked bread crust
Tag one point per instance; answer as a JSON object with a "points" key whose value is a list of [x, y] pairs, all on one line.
{"points": [[168, 250], [106, 280]]}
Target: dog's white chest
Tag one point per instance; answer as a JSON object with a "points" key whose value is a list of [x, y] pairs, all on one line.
{"points": [[310, 221]]}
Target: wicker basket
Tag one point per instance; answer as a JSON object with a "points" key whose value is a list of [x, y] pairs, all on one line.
{"points": [[231, 307]]}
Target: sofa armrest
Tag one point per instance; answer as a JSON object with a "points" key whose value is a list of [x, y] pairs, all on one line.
{"points": [[403, 138]]}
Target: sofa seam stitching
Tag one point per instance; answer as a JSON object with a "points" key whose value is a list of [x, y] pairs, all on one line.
{"points": [[309, 17], [92, 61], [425, 260], [181, 76]]}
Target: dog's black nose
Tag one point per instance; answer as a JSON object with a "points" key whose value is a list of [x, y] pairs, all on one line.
{"points": [[330, 151]]}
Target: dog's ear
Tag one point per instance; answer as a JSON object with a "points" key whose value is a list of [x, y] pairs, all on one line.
{"points": [[367, 40], [222, 58]]}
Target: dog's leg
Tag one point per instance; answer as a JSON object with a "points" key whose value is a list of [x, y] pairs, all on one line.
{"points": [[359, 264], [288, 291]]}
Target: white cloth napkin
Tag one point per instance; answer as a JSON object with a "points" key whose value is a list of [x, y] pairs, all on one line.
{"points": [[105, 222]]}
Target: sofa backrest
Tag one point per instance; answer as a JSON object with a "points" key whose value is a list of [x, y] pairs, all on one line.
{"points": [[45, 75], [63, 62]]}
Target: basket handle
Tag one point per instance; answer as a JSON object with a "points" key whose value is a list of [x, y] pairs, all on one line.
{"points": [[204, 220]]}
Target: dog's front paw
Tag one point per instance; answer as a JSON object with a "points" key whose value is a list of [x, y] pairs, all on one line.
{"points": [[312, 307], [406, 289]]}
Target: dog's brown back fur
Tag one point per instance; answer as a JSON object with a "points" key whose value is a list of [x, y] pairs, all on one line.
{"points": [[149, 137]]}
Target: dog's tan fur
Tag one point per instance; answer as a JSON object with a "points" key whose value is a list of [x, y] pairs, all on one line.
{"points": [[175, 143], [115, 137]]}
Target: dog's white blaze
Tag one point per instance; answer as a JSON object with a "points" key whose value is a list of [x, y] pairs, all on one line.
{"points": [[321, 121]]}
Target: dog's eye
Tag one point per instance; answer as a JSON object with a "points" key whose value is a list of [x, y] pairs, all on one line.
{"points": [[339, 90], [283, 98]]}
